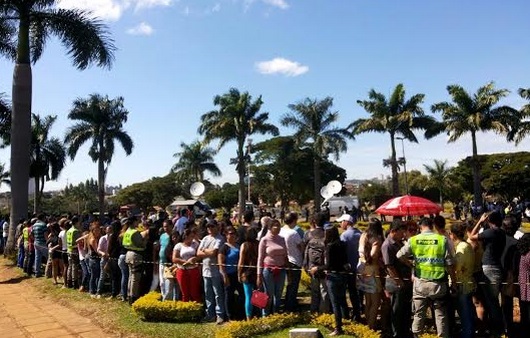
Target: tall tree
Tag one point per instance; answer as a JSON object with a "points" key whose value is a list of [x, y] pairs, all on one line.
{"points": [[237, 118], [26, 26], [397, 117], [194, 160], [520, 124], [438, 177], [5, 122], [471, 114], [314, 127], [99, 121], [48, 156]]}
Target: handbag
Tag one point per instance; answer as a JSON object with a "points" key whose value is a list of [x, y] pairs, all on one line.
{"points": [[259, 299], [168, 273]]}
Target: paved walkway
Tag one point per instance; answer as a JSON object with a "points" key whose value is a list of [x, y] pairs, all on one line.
{"points": [[24, 314]]}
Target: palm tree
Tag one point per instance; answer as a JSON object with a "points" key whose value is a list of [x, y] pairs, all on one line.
{"points": [[25, 27], [48, 156], [4, 175], [520, 125], [472, 114], [193, 160], [237, 118], [398, 117], [100, 120], [438, 176], [5, 122], [313, 122]]}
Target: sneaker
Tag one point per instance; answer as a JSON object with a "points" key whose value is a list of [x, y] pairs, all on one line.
{"points": [[219, 321], [208, 319], [93, 296], [110, 298], [336, 333], [98, 296]]}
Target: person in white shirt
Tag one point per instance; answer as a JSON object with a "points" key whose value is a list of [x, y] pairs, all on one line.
{"points": [[103, 253], [295, 253]]}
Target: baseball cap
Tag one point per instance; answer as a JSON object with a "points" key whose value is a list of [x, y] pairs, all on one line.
{"points": [[345, 217], [62, 221]]}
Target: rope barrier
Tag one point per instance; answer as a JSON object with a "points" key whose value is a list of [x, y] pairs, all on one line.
{"points": [[350, 273]]}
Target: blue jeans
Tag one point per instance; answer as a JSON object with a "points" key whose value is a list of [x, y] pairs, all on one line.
{"points": [[102, 276], [291, 291], [214, 296], [93, 264], [124, 275], [20, 259], [85, 279], [168, 287], [466, 312], [41, 251], [401, 312], [336, 284], [492, 278], [274, 288]]}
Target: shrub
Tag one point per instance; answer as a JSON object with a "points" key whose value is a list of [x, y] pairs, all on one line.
{"points": [[151, 308], [258, 326], [350, 328], [305, 280]]}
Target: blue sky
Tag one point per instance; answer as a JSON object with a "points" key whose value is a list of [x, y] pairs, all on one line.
{"points": [[174, 56]]}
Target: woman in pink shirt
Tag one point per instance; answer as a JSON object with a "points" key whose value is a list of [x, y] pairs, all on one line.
{"points": [[272, 259], [524, 279]]}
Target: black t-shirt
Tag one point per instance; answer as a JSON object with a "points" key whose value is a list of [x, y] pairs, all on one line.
{"points": [[335, 257], [494, 241]]}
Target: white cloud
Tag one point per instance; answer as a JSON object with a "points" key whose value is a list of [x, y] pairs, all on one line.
{"points": [[281, 66], [277, 3], [216, 8], [142, 29], [111, 10]]}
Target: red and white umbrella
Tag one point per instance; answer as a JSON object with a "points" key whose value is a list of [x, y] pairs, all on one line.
{"points": [[408, 206]]}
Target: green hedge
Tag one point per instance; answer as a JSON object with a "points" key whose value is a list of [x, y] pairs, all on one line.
{"points": [[151, 308]]}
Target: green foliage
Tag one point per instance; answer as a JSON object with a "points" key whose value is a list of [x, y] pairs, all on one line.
{"points": [[151, 308], [374, 193], [160, 191], [222, 197], [350, 328], [193, 161], [258, 326], [82, 197], [5, 121]]}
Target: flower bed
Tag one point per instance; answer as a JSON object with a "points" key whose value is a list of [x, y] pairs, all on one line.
{"points": [[151, 308], [258, 326]]}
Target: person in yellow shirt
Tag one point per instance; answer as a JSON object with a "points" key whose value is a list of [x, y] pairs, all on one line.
{"points": [[464, 267]]}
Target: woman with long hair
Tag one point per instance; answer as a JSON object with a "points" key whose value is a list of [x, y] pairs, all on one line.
{"points": [[94, 259], [246, 266], [124, 268], [188, 272], [228, 258], [335, 266], [370, 260], [113, 251], [54, 248]]}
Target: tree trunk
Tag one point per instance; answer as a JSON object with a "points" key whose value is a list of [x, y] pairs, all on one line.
{"points": [[36, 195], [241, 175], [101, 182], [477, 189], [20, 147], [316, 177], [394, 166]]}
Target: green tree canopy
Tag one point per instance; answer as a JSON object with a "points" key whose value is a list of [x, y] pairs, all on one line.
{"points": [[194, 160]]}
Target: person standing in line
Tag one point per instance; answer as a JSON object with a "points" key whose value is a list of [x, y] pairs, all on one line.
{"points": [[94, 259], [29, 249], [167, 285], [432, 261], [113, 250], [493, 240], [64, 223], [213, 283], [103, 246], [20, 242], [523, 246], [464, 266], [335, 267], [272, 259], [5, 234], [351, 236], [40, 233], [398, 285], [54, 253], [72, 235], [124, 269], [246, 267], [134, 242], [295, 254], [180, 224], [228, 258], [188, 273]]}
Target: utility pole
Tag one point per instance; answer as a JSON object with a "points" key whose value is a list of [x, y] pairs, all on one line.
{"points": [[249, 144]]}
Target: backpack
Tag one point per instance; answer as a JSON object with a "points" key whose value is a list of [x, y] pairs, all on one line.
{"points": [[314, 252]]}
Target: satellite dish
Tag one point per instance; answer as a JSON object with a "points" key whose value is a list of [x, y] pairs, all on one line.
{"points": [[197, 189], [325, 192], [334, 186]]}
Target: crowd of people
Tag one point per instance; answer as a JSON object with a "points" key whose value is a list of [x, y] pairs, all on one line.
{"points": [[392, 279]]}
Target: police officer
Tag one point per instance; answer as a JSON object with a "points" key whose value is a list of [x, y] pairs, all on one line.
{"points": [[432, 261], [134, 242], [72, 235]]}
